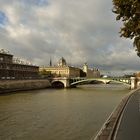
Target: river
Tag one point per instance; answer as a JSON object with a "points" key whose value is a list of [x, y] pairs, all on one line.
{"points": [[58, 114]]}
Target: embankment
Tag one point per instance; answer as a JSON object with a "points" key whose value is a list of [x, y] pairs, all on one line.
{"points": [[109, 128], [21, 85]]}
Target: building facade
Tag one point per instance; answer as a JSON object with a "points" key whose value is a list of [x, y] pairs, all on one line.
{"points": [[12, 70], [91, 73], [61, 70], [137, 74]]}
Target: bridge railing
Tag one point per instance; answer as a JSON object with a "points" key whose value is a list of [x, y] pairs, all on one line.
{"points": [[122, 80]]}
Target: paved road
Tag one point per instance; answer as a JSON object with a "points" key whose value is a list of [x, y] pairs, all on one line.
{"points": [[129, 128]]}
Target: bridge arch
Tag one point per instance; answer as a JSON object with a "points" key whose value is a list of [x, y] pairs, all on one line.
{"points": [[105, 81], [57, 84], [64, 82]]}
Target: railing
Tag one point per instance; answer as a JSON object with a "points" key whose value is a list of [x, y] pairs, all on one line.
{"points": [[122, 80]]}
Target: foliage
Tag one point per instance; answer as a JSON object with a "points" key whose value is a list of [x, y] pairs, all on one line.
{"points": [[129, 12], [45, 73]]}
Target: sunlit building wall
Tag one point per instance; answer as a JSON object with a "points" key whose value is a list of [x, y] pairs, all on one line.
{"points": [[61, 70]]}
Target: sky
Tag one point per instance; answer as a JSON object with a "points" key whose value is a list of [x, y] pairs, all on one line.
{"points": [[78, 30]]}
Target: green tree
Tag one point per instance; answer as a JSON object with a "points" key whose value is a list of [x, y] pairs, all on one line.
{"points": [[45, 73], [129, 12]]}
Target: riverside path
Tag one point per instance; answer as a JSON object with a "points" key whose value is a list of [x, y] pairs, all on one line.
{"points": [[129, 128]]}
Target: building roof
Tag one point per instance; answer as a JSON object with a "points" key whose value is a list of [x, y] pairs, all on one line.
{"points": [[62, 62], [4, 52]]}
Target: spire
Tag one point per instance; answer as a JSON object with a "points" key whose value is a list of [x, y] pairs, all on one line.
{"points": [[50, 62]]}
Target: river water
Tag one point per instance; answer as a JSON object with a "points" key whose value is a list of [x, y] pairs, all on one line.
{"points": [[58, 114]]}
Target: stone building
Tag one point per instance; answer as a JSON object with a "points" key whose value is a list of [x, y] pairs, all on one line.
{"points": [[9, 69], [137, 74], [91, 73], [61, 70]]}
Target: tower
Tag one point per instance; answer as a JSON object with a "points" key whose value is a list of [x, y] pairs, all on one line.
{"points": [[85, 68], [62, 62], [50, 62]]}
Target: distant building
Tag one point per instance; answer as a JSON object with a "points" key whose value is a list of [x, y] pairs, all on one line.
{"points": [[136, 74], [61, 70], [9, 69], [62, 62], [91, 73]]}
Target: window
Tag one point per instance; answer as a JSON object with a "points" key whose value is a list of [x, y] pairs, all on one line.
{"points": [[1, 58]]}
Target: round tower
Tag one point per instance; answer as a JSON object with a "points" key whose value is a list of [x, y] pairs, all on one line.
{"points": [[85, 68]]}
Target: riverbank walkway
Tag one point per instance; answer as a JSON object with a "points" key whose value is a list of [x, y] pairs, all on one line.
{"points": [[124, 122], [129, 124]]}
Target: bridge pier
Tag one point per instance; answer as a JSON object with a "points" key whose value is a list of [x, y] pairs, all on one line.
{"points": [[67, 83], [64, 80], [135, 82]]}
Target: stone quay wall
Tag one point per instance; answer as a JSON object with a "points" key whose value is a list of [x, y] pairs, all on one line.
{"points": [[22, 85]]}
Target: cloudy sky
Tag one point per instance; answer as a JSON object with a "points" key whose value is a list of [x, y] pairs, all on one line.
{"points": [[79, 30]]}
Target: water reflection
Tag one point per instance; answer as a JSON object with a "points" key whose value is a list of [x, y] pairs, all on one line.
{"points": [[73, 114]]}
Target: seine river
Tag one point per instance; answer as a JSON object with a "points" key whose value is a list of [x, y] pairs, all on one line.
{"points": [[58, 114]]}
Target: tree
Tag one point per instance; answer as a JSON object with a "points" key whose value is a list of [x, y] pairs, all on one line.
{"points": [[129, 12], [45, 73]]}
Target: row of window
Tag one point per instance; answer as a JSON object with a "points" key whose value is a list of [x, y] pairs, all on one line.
{"points": [[12, 78], [3, 66]]}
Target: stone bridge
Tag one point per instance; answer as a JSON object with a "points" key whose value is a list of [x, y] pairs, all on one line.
{"points": [[60, 82], [66, 82]]}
